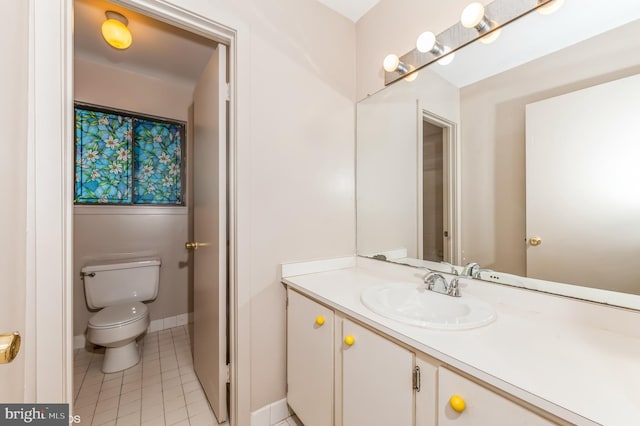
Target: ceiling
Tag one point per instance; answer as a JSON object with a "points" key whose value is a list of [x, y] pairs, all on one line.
{"points": [[158, 49], [352, 9]]}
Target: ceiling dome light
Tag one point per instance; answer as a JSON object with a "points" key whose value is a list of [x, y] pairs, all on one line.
{"points": [[550, 7], [115, 30]]}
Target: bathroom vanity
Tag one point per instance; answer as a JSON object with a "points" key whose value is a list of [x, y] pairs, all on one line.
{"points": [[543, 360]]}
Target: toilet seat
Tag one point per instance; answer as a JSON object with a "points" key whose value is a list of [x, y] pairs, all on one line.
{"points": [[118, 315]]}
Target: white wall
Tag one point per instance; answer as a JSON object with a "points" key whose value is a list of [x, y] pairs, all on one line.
{"points": [[296, 161], [103, 233]]}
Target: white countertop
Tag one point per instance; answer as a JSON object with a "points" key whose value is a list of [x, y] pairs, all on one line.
{"points": [[577, 360]]}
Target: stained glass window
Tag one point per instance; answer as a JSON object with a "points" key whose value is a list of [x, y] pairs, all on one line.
{"points": [[127, 159]]}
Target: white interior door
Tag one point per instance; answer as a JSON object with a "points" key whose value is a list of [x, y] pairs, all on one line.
{"points": [[13, 109], [582, 185], [210, 231]]}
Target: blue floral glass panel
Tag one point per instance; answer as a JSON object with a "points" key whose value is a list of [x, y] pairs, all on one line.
{"points": [[157, 162], [103, 158]]}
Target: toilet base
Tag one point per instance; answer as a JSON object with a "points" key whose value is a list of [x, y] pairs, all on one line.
{"points": [[120, 358]]}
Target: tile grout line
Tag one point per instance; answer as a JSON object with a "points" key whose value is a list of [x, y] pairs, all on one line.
{"points": [[175, 351]]}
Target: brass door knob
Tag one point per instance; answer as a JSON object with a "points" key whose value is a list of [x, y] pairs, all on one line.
{"points": [[193, 245], [535, 241], [9, 347]]}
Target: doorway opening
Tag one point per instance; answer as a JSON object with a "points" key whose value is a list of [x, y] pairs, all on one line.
{"points": [[438, 218], [433, 231], [169, 72]]}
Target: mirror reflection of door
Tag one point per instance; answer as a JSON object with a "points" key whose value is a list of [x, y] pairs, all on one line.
{"points": [[432, 192], [582, 186], [437, 177]]}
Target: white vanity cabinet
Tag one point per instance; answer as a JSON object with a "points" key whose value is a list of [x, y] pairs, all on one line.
{"points": [[481, 405], [344, 374], [310, 355]]}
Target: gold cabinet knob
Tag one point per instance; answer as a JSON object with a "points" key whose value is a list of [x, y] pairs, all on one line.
{"points": [[349, 340], [535, 241], [320, 320], [9, 347], [457, 403]]}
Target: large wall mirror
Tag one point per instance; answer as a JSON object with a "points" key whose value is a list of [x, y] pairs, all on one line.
{"points": [[522, 155]]}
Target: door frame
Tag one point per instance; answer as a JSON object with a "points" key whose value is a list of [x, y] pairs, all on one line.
{"points": [[450, 182], [49, 254]]}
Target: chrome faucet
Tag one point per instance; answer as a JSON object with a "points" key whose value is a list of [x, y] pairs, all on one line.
{"points": [[471, 269], [432, 279]]}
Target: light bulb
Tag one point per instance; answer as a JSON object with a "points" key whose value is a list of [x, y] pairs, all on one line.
{"points": [[491, 37], [391, 63], [115, 31], [447, 59], [550, 7], [426, 42], [411, 77], [472, 15]]}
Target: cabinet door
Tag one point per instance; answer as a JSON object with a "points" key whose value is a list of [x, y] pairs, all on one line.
{"points": [[310, 360], [377, 384], [482, 406], [427, 393]]}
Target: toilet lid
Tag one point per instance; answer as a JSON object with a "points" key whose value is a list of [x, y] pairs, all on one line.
{"points": [[118, 315]]}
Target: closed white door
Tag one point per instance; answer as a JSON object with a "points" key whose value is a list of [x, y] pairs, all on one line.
{"points": [[13, 86], [582, 179], [210, 232]]}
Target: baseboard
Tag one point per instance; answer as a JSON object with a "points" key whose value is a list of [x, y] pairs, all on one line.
{"points": [[271, 414], [80, 341]]}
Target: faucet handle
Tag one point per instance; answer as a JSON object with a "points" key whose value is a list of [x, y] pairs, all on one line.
{"points": [[431, 278], [454, 288]]}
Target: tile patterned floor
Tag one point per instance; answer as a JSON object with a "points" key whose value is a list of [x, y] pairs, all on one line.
{"points": [[161, 390]]}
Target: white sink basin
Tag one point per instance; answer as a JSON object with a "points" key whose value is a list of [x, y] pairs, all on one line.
{"points": [[411, 303]]}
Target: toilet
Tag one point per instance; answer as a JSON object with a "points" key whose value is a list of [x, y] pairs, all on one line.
{"points": [[118, 288]]}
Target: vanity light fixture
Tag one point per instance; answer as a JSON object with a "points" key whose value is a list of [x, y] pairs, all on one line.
{"points": [[473, 16], [427, 42], [115, 30], [392, 63], [549, 7], [486, 23]]}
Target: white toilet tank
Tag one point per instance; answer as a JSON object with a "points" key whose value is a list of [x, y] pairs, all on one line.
{"points": [[112, 282]]}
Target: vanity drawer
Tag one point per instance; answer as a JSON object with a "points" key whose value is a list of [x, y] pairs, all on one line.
{"points": [[477, 405]]}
